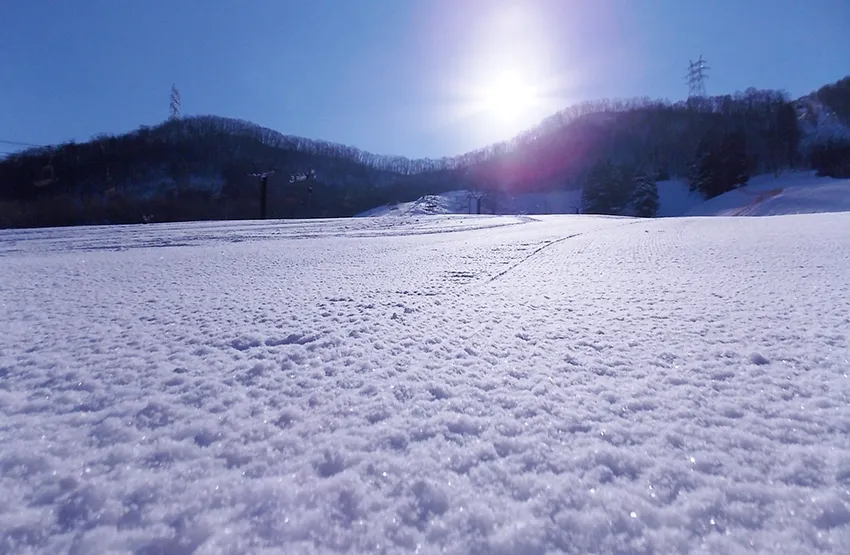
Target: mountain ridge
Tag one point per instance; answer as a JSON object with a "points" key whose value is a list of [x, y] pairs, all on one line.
{"points": [[200, 167]]}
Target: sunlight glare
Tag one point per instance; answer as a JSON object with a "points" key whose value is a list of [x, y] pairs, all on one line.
{"points": [[506, 78], [509, 96]]}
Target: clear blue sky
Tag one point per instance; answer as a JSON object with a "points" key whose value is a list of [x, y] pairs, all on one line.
{"points": [[410, 77]]}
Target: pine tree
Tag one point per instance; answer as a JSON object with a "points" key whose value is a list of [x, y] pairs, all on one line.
{"points": [[704, 168], [621, 188], [606, 189], [720, 165], [832, 158], [734, 169], [593, 196], [644, 199]]}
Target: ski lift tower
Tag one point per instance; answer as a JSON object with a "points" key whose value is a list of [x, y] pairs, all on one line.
{"points": [[307, 178], [264, 189]]}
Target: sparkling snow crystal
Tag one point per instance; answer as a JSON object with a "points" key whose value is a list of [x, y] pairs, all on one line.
{"points": [[442, 384]]}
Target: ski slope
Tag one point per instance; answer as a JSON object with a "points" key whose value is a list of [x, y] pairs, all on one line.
{"points": [[444, 384], [452, 202], [797, 192], [790, 193], [460, 202]]}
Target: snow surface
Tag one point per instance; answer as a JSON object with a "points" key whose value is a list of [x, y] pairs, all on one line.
{"points": [[790, 193], [765, 195], [452, 202], [675, 198], [451, 384], [459, 202]]}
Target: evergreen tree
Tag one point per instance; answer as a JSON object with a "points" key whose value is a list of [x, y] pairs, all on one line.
{"points": [[734, 170], [593, 198], [832, 158], [720, 165], [644, 199], [606, 189], [705, 167], [622, 186]]}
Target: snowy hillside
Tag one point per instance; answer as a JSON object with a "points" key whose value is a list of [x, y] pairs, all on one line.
{"points": [[454, 202], [460, 202], [675, 198], [818, 123], [790, 193], [765, 195], [451, 384]]}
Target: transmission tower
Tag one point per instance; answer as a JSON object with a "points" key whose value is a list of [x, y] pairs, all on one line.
{"points": [[697, 74], [175, 103]]}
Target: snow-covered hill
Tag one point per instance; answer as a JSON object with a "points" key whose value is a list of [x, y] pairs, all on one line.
{"points": [[818, 124], [766, 195], [675, 198], [453, 202], [790, 193], [794, 192], [461, 202], [561, 384]]}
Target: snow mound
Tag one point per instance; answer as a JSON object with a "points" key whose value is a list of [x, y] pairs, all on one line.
{"points": [[459, 202], [791, 193], [453, 202]]}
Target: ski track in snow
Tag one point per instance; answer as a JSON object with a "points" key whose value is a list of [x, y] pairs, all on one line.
{"points": [[368, 386]]}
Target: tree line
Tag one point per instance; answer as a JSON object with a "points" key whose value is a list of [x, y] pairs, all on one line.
{"points": [[199, 167]]}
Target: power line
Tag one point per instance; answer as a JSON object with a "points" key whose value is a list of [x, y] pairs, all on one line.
{"points": [[18, 143]]}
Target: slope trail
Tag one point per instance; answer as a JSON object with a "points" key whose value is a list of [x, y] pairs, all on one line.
{"points": [[547, 245]]}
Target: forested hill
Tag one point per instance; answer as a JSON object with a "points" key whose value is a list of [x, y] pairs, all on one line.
{"points": [[200, 167]]}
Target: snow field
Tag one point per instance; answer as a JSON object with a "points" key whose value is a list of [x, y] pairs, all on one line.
{"points": [[563, 384], [793, 192]]}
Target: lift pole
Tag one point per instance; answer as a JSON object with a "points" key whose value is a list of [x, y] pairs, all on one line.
{"points": [[264, 190]]}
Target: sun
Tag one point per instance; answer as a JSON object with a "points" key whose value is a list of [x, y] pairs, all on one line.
{"points": [[509, 101], [509, 95], [506, 73]]}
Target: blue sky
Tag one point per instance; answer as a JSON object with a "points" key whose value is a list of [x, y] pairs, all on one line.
{"points": [[410, 77]]}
